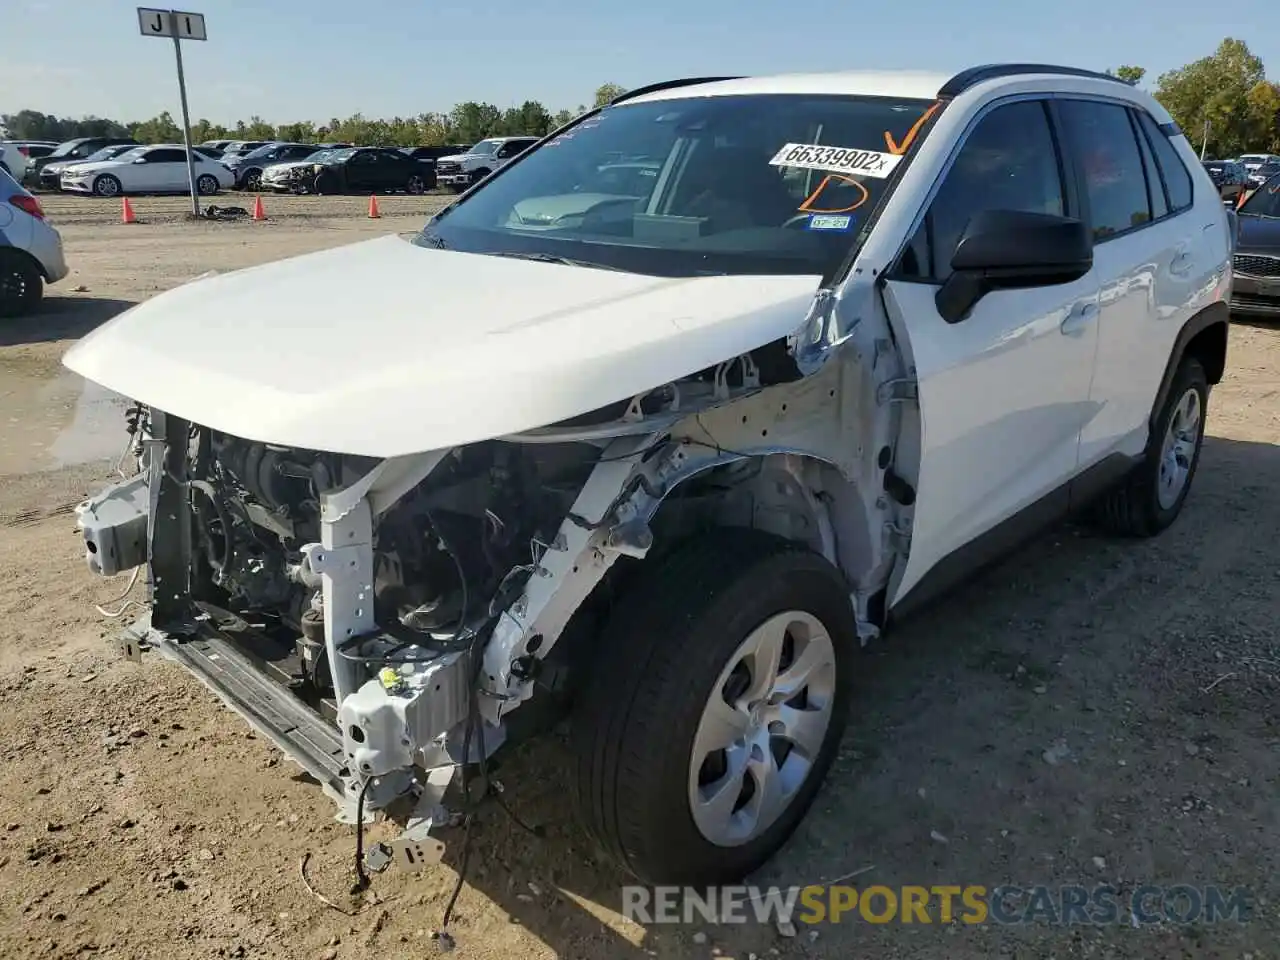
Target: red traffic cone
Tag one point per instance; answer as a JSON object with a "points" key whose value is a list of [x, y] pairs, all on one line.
{"points": [[373, 207], [126, 211], [258, 212]]}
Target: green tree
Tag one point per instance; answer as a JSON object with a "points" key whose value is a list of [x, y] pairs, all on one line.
{"points": [[161, 129], [1215, 90], [1130, 75], [474, 121], [607, 92]]}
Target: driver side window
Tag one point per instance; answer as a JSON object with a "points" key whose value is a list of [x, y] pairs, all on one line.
{"points": [[1009, 161]]}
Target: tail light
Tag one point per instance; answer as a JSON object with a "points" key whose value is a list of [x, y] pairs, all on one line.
{"points": [[28, 204]]}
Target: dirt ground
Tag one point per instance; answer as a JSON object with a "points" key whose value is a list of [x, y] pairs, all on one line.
{"points": [[1088, 712]]}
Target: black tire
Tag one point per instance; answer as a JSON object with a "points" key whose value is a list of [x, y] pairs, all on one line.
{"points": [[207, 185], [252, 180], [1134, 509], [416, 185], [21, 285], [107, 186], [480, 174], [668, 640]]}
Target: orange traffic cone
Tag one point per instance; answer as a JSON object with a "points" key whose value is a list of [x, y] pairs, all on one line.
{"points": [[258, 212], [373, 207], [126, 211]]}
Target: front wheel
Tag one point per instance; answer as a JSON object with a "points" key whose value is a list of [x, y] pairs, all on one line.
{"points": [[416, 185], [1152, 497], [715, 708], [252, 181], [206, 185], [107, 186]]}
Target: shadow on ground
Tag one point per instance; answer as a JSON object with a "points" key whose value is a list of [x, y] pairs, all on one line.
{"points": [[60, 318], [1090, 711]]}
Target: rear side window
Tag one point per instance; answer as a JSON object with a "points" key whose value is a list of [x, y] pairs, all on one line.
{"points": [[1107, 151], [1008, 162], [1177, 181], [1155, 189], [166, 156]]}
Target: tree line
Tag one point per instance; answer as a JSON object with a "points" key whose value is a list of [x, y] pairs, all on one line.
{"points": [[464, 124], [1223, 102]]}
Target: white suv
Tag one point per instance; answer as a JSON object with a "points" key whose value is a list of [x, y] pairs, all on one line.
{"points": [[461, 170], [658, 425]]}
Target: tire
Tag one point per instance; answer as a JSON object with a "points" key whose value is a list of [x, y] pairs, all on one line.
{"points": [[673, 639], [1147, 503], [21, 285], [252, 181], [107, 186], [479, 175], [416, 185], [207, 185]]}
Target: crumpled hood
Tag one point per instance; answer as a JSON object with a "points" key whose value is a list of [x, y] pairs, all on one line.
{"points": [[384, 348], [289, 165]]}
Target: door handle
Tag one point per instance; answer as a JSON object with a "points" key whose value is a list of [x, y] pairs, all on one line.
{"points": [[1078, 319], [1181, 263]]}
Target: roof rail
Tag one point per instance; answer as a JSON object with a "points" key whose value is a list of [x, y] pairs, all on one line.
{"points": [[965, 79], [666, 85]]}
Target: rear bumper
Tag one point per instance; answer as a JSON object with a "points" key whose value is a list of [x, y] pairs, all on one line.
{"points": [[46, 246], [1255, 296]]}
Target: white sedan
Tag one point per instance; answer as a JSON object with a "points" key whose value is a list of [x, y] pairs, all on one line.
{"points": [[155, 168]]}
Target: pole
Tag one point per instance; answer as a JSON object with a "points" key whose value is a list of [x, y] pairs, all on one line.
{"points": [[1204, 144], [186, 118]]}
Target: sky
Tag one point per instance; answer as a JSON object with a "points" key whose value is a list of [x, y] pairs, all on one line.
{"points": [[291, 60]]}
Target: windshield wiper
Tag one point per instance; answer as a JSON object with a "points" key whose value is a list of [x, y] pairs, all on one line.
{"points": [[552, 258]]}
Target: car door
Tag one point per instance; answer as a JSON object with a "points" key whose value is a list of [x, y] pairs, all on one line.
{"points": [[164, 169], [362, 170], [391, 169], [1004, 392], [1145, 246]]}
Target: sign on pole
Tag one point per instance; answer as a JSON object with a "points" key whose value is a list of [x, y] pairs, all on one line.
{"points": [[178, 25]]}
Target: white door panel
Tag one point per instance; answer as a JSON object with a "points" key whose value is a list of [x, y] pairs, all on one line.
{"points": [[1003, 395]]}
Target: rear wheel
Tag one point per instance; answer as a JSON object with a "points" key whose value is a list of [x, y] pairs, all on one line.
{"points": [[1152, 497], [107, 186], [207, 184], [21, 285], [715, 707]]}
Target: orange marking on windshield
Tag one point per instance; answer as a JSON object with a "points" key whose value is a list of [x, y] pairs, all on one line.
{"points": [[898, 149], [808, 205]]}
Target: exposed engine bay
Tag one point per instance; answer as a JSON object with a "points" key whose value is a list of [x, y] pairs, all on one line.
{"points": [[447, 556]]}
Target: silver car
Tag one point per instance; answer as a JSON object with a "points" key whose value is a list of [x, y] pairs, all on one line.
{"points": [[30, 250]]}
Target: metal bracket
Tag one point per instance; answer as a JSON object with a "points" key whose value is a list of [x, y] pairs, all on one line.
{"points": [[128, 646], [897, 539], [904, 390]]}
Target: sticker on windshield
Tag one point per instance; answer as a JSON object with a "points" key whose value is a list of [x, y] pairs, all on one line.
{"points": [[830, 221], [814, 156]]}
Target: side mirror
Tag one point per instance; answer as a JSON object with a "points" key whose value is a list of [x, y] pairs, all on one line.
{"points": [[1012, 249], [140, 160]]}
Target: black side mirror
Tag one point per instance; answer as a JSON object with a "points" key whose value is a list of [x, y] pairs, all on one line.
{"points": [[1007, 249]]}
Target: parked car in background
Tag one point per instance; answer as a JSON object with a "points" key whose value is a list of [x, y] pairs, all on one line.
{"points": [[1256, 263], [216, 145], [428, 156], [296, 176], [155, 168], [237, 148], [1252, 161], [1229, 176], [16, 154], [30, 250], [77, 149], [1262, 174], [462, 170], [247, 167], [370, 169], [50, 177]]}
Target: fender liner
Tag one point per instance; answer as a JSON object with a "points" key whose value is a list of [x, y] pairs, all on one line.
{"points": [[1214, 313], [17, 253]]}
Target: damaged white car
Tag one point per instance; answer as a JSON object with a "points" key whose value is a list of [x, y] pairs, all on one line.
{"points": [[655, 427]]}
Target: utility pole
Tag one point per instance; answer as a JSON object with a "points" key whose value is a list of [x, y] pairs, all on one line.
{"points": [[1204, 144]]}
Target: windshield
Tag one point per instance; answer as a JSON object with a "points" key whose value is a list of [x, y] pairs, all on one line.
{"points": [[485, 147], [261, 152], [106, 153], [777, 184], [319, 156], [1263, 202], [340, 156], [132, 153], [66, 149]]}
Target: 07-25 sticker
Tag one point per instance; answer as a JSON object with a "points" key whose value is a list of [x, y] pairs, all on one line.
{"points": [[813, 156]]}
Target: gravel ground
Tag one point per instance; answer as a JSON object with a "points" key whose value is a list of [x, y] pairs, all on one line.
{"points": [[1090, 711]]}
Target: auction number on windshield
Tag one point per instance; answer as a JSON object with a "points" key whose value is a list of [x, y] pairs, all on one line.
{"points": [[813, 156]]}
